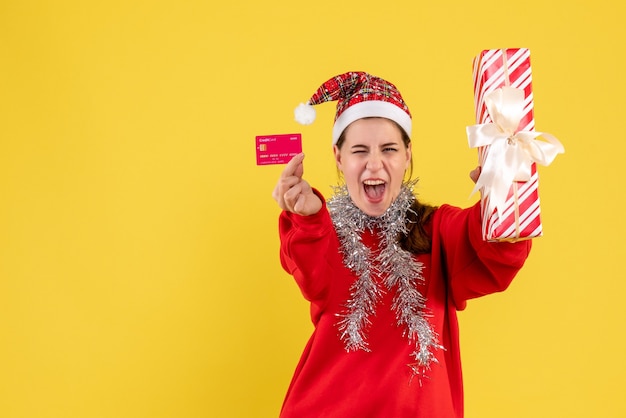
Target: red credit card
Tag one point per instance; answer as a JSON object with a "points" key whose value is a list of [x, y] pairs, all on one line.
{"points": [[277, 149]]}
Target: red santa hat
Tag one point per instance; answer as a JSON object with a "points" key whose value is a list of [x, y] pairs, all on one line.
{"points": [[358, 95]]}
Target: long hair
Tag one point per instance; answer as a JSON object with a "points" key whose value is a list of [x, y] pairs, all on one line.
{"points": [[417, 239]]}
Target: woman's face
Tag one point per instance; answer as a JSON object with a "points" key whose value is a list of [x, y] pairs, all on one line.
{"points": [[373, 160]]}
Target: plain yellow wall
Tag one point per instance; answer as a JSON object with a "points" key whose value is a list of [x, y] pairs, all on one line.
{"points": [[139, 271]]}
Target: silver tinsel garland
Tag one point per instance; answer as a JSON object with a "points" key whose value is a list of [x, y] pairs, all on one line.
{"points": [[395, 267]]}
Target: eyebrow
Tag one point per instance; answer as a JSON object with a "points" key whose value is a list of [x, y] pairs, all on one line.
{"points": [[387, 144]]}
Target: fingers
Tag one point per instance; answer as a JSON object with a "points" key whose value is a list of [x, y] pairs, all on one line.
{"points": [[300, 199], [286, 191], [294, 198], [294, 167], [293, 193], [284, 184], [475, 173]]}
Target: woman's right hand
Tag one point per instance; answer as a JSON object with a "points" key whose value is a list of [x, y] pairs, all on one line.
{"points": [[293, 193]]}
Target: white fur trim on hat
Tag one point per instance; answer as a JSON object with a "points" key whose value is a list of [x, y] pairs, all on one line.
{"points": [[368, 109]]}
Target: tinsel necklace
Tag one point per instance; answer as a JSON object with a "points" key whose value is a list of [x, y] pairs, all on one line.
{"points": [[395, 267]]}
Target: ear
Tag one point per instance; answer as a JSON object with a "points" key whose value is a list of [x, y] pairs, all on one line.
{"points": [[337, 153], [409, 155]]}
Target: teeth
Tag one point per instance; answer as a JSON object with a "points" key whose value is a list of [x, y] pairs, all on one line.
{"points": [[373, 182]]}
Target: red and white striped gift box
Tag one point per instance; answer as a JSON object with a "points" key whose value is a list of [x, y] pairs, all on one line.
{"points": [[520, 215]]}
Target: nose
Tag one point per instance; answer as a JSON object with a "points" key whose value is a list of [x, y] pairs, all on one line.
{"points": [[374, 161]]}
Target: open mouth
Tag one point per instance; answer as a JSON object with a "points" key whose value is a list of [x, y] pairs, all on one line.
{"points": [[374, 189]]}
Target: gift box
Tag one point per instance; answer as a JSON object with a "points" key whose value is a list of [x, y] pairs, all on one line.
{"points": [[508, 146]]}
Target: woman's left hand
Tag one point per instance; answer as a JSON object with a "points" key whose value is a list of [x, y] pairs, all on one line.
{"points": [[474, 174]]}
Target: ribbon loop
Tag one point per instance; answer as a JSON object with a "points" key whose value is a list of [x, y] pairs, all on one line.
{"points": [[511, 152]]}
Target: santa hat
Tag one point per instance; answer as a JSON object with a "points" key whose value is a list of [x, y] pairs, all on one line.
{"points": [[358, 95]]}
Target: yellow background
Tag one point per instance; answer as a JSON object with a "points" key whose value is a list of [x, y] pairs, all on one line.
{"points": [[139, 271]]}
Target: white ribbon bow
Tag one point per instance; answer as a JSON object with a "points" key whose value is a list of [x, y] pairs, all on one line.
{"points": [[511, 152]]}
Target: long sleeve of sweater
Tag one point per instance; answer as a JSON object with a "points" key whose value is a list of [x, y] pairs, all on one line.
{"points": [[488, 267], [305, 241]]}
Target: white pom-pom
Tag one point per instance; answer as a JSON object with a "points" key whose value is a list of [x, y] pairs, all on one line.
{"points": [[305, 114]]}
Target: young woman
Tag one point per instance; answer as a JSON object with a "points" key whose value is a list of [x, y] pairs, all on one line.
{"points": [[384, 273]]}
